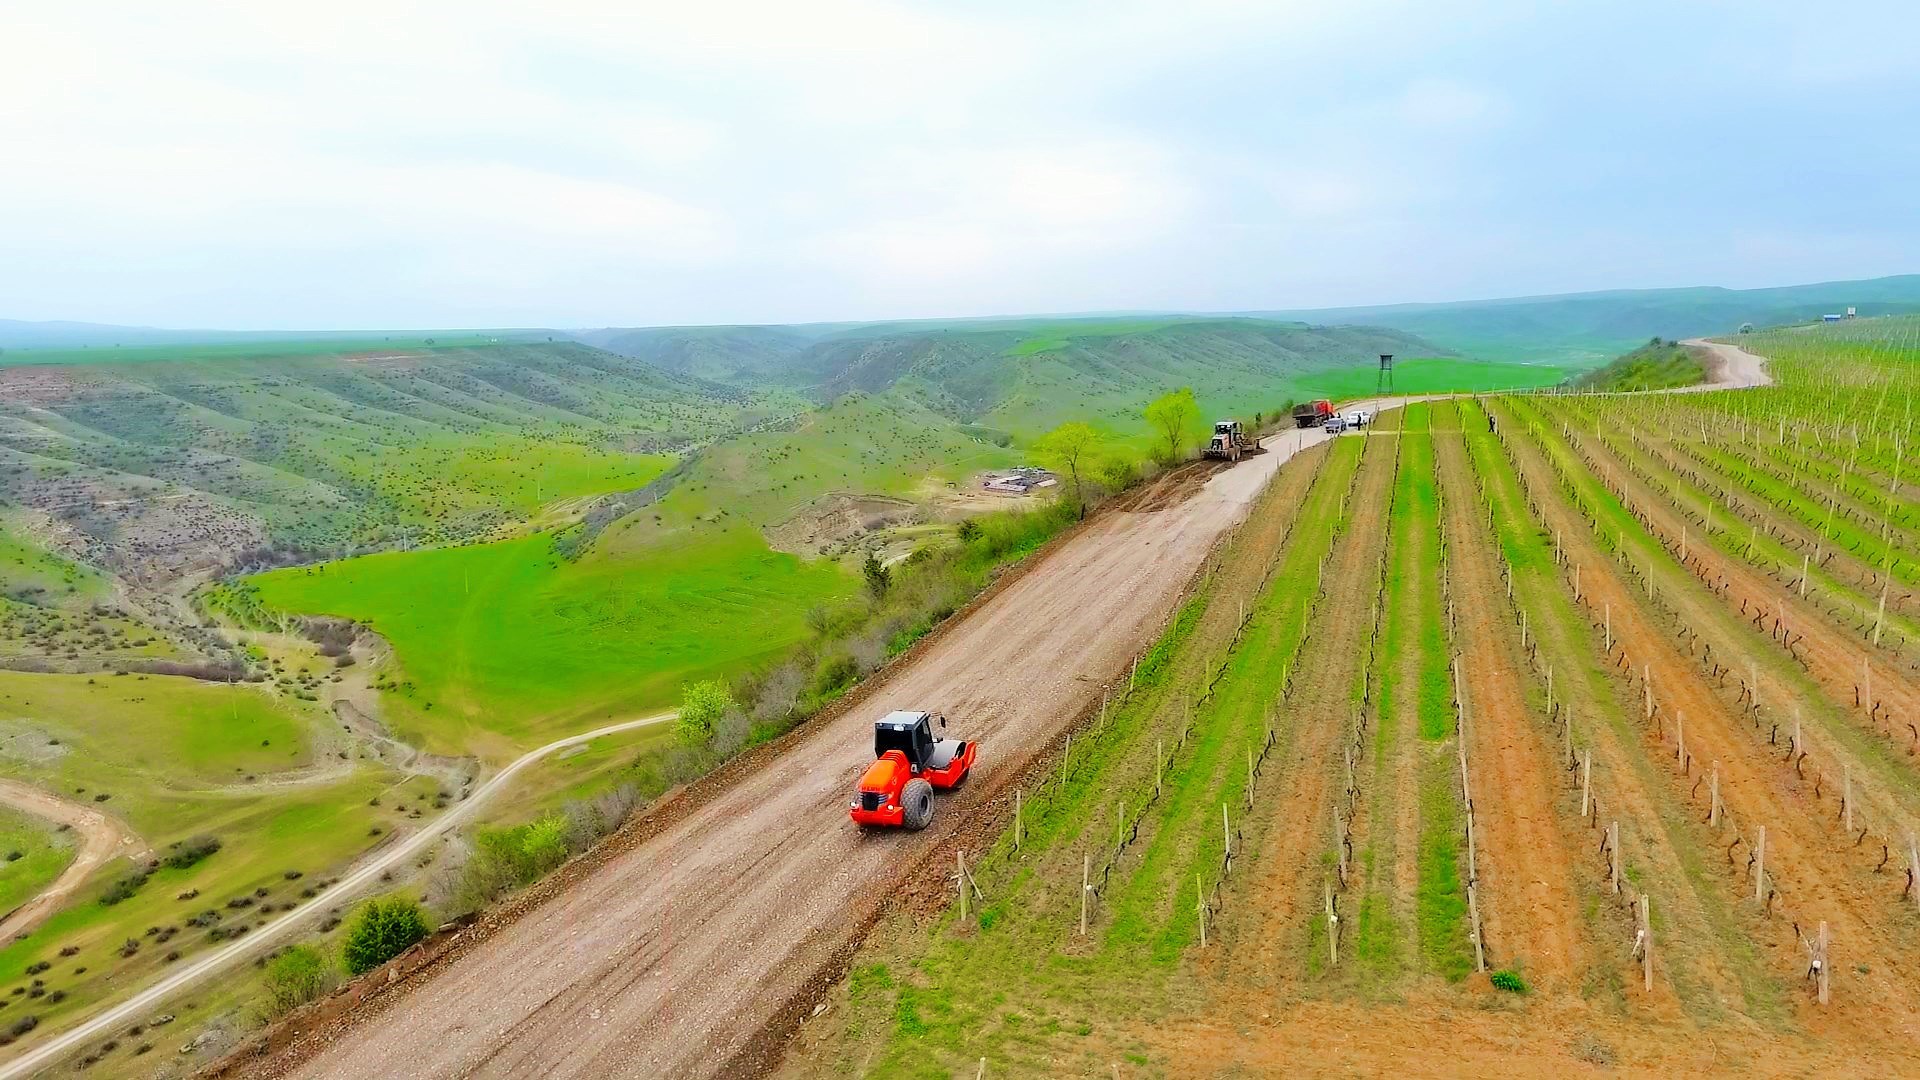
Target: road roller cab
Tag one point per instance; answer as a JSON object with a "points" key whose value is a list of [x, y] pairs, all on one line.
{"points": [[909, 763]]}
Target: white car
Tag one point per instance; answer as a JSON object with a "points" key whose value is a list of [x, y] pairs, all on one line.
{"points": [[1359, 418]]}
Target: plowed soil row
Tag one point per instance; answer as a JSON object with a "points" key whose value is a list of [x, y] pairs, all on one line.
{"points": [[1529, 905], [1269, 923], [1832, 657], [1808, 864]]}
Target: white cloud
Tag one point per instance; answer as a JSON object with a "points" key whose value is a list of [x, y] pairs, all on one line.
{"points": [[642, 160]]}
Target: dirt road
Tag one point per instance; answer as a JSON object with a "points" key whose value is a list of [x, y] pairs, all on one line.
{"points": [[1729, 367], [136, 1007], [101, 838], [670, 958]]}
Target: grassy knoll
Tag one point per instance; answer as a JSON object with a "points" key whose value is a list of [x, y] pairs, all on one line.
{"points": [[502, 646], [1429, 375], [32, 854], [32, 574], [1657, 365], [116, 734]]}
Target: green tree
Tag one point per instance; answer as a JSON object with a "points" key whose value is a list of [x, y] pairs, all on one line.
{"points": [[1172, 415], [879, 578], [296, 976], [702, 704], [1067, 449], [385, 927]]}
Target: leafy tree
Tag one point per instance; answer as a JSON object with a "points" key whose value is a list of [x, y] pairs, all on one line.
{"points": [[385, 927], [1066, 448], [968, 531], [296, 976], [1172, 415], [879, 578], [702, 704]]}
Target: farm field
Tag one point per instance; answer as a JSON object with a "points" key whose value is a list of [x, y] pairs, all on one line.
{"points": [[503, 646], [1556, 729]]}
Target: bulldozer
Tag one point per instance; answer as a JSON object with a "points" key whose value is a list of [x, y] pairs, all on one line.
{"points": [[1229, 441], [896, 791]]}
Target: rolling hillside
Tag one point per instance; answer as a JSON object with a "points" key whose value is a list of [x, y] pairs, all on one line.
{"points": [[1594, 327]]}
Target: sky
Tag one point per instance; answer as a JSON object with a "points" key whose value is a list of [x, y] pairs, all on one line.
{"points": [[419, 164]]}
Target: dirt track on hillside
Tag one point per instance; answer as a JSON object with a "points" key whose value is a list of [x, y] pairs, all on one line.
{"points": [[102, 837], [672, 957]]}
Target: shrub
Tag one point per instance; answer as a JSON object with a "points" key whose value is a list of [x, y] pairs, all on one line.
{"points": [[124, 887], [1509, 981], [384, 928], [295, 977], [190, 851], [702, 704]]}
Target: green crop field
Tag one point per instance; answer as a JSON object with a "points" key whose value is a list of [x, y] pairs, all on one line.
{"points": [[504, 646], [1431, 375]]}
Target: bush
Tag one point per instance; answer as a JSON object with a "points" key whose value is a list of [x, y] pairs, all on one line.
{"points": [[702, 704], [384, 928], [123, 888], [1509, 981], [190, 851], [295, 977]]}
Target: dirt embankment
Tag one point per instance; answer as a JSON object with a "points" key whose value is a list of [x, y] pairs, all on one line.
{"points": [[102, 837]]}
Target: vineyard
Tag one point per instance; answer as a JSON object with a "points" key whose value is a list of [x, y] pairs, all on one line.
{"points": [[1536, 729]]}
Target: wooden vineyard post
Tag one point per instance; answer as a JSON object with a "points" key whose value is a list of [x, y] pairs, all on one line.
{"points": [[1613, 855], [960, 880], [1760, 866], [1133, 674], [1066, 755], [1846, 797], [1576, 582], [1200, 907], [1226, 834], [1086, 889], [1913, 861], [1586, 781], [1880, 615], [1333, 931], [1103, 712], [1473, 915], [1646, 942], [1249, 777], [1803, 575], [1713, 797], [1820, 963], [1018, 830]]}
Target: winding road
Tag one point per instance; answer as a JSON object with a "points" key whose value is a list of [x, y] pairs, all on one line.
{"points": [[134, 1009], [102, 836]]}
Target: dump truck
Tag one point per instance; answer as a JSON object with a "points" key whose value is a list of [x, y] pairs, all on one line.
{"points": [[1229, 441], [1312, 413], [896, 791]]}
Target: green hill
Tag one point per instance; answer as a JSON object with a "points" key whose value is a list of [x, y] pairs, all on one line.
{"points": [[1593, 327]]}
